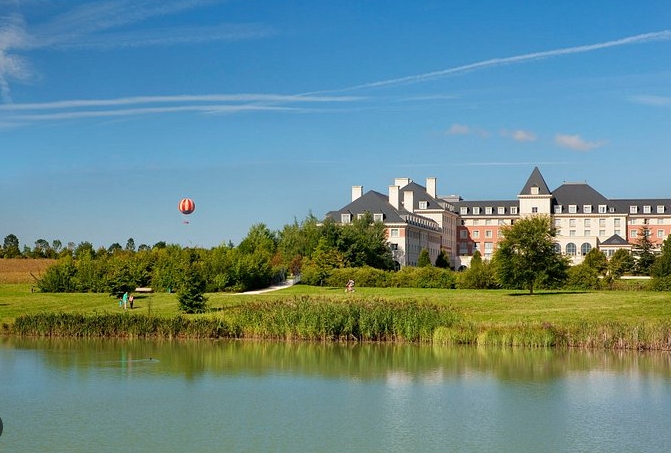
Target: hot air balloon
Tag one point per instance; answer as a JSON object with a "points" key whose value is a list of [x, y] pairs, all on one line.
{"points": [[187, 206]]}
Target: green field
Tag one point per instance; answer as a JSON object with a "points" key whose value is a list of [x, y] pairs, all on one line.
{"points": [[485, 306], [611, 319]]}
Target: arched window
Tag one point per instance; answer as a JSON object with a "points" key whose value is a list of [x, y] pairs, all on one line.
{"points": [[585, 248], [557, 248], [571, 249]]}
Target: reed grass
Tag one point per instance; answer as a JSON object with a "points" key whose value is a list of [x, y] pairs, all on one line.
{"points": [[299, 318]]}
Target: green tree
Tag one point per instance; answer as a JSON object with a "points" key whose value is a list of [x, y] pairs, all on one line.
{"points": [[526, 255], [643, 252], [192, 289], [479, 275], [596, 259], [424, 259], [662, 265], [442, 260], [11, 246], [620, 263], [130, 245]]}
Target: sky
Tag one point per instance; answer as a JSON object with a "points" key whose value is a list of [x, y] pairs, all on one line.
{"points": [[267, 112]]}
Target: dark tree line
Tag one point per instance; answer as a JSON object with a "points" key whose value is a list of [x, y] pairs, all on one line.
{"points": [[263, 257]]}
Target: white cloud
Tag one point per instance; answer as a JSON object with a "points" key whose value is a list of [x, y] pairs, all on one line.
{"points": [[657, 101], [577, 143], [664, 35], [459, 129], [519, 135]]}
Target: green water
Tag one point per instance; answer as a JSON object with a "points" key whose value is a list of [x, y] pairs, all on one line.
{"points": [[201, 396]]}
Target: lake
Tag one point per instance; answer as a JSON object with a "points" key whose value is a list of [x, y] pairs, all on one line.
{"points": [[72, 395]]}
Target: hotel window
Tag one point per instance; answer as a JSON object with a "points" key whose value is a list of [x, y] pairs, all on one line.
{"points": [[513, 210], [618, 232], [588, 222], [634, 233], [476, 246], [501, 210], [602, 209], [378, 217], [534, 210], [345, 218], [571, 222], [463, 234], [660, 209], [463, 210], [488, 210], [476, 233], [587, 233], [647, 209], [463, 248], [660, 233], [489, 247], [557, 223], [571, 232], [534, 190], [423, 204], [393, 246], [572, 209], [360, 216], [633, 209], [557, 209], [502, 222], [394, 233], [585, 248], [488, 221], [587, 209], [488, 233], [602, 222], [616, 222], [571, 249], [602, 232], [476, 222], [557, 248], [476, 210]]}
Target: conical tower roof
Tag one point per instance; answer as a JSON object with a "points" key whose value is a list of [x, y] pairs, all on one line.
{"points": [[536, 180]]}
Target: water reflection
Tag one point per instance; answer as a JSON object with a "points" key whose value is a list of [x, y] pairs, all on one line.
{"points": [[108, 395], [192, 359]]}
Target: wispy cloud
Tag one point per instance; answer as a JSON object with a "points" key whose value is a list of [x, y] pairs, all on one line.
{"points": [[458, 129], [105, 25], [577, 143], [657, 101], [147, 105], [463, 129], [519, 135], [664, 35]]}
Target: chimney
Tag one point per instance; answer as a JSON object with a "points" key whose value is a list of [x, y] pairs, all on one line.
{"points": [[402, 182], [357, 191], [409, 201], [431, 186], [393, 196]]}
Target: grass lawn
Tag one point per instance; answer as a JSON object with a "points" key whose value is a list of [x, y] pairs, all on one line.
{"points": [[491, 307]]}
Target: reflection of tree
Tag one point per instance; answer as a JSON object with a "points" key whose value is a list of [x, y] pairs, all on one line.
{"points": [[361, 361]]}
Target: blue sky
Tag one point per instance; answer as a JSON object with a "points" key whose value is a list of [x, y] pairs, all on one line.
{"points": [[265, 111]]}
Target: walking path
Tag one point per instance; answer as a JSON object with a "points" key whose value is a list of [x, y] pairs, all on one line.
{"points": [[285, 284]]}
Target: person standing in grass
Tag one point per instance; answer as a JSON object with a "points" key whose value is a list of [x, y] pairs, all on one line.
{"points": [[125, 300]]}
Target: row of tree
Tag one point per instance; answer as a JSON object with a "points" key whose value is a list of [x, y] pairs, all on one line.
{"points": [[525, 258]]}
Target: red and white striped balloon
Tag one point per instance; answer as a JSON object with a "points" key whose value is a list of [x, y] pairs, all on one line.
{"points": [[187, 206]]}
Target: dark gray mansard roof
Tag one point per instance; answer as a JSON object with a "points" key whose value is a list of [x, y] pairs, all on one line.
{"points": [[614, 240], [580, 194], [624, 205], [535, 180], [373, 202], [494, 204]]}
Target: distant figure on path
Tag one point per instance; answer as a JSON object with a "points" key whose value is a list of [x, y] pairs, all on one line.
{"points": [[131, 299], [350, 286]]}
